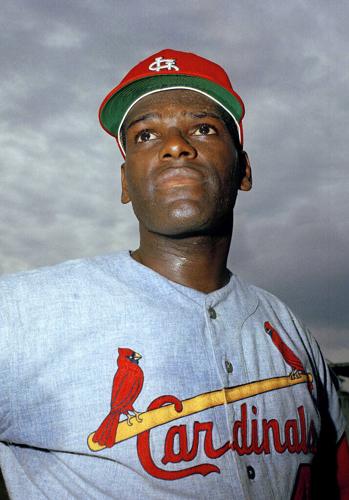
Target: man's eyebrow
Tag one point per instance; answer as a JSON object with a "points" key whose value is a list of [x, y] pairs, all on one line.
{"points": [[149, 116], [142, 118], [204, 114]]}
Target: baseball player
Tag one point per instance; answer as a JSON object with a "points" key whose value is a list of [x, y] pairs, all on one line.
{"points": [[158, 373]]}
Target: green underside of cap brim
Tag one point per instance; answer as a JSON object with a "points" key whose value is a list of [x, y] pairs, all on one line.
{"points": [[114, 110]]}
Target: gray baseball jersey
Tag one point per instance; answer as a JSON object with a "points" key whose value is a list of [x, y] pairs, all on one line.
{"points": [[118, 383]]}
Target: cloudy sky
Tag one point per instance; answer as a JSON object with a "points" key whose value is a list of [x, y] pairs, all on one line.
{"points": [[59, 190]]}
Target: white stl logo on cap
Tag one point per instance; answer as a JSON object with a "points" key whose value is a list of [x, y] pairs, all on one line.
{"points": [[161, 63]]}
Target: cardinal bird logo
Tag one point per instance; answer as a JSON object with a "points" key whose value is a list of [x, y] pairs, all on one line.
{"points": [[127, 384], [289, 356], [297, 368]]}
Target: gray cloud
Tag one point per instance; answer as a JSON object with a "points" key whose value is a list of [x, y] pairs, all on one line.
{"points": [[59, 190]]}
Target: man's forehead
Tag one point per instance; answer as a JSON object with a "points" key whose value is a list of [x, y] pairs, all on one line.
{"points": [[191, 101]]}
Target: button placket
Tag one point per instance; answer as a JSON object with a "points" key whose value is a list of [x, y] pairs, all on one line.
{"points": [[225, 417]]}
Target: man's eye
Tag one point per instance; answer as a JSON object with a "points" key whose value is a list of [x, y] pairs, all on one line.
{"points": [[205, 129], [145, 136]]}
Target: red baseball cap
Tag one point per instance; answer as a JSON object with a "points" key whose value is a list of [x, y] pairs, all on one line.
{"points": [[166, 70]]}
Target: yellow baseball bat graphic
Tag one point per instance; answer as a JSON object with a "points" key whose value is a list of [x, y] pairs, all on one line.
{"points": [[168, 413]]}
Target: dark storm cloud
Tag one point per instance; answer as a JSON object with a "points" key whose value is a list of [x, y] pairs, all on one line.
{"points": [[59, 187]]}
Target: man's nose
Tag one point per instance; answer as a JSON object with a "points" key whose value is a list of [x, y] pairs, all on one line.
{"points": [[175, 146]]}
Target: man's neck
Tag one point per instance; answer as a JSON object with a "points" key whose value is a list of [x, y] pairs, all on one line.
{"points": [[198, 262]]}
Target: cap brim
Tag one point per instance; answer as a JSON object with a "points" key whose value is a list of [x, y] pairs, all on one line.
{"points": [[113, 111]]}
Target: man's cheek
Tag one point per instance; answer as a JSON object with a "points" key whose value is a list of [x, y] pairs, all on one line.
{"points": [[136, 187], [142, 197]]}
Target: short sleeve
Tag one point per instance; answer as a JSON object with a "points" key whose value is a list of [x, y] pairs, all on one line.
{"points": [[332, 429], [324, 466], [333, 421]]}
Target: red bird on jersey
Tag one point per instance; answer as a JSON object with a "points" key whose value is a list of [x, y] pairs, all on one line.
{"points": [[289, 356], [127, 384]]}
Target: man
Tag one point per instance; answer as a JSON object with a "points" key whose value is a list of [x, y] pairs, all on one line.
{"points": [[158, 373]]}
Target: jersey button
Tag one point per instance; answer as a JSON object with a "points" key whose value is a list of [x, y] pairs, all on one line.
{"points": [[250, 472], [228, 366], [212, 313]]}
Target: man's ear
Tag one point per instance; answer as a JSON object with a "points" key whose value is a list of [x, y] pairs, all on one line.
{"points": [[245, 172], [125, 198]]}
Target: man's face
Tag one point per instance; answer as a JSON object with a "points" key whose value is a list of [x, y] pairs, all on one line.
{"points": [[181, 169]]}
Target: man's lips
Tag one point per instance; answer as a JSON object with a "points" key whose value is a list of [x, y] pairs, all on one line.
{"points": [[178, 176]]}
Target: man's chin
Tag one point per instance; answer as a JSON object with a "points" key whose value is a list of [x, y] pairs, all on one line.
{"points": [[187, 219], [187, 228]]}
